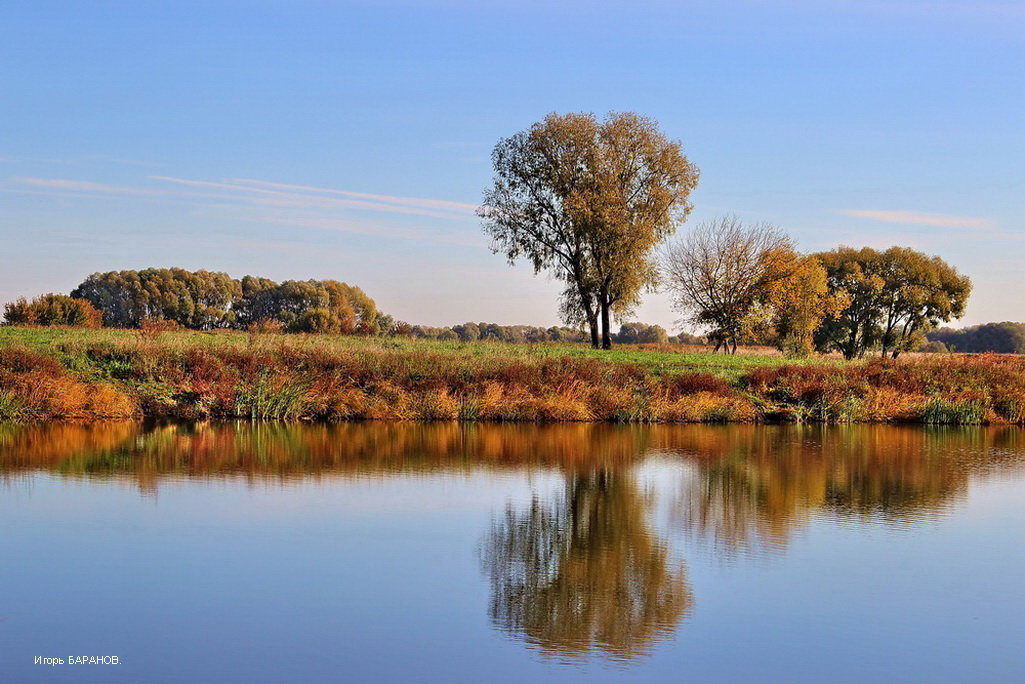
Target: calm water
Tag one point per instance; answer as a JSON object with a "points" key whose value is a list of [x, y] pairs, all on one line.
{"points": [[509, 553]]}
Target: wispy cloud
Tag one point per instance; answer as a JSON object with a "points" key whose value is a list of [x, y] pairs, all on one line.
{"points": [[301, 196], [922, 219], [458, 207], [79, 186], [282, 204], [256, 192], [329, 223]]}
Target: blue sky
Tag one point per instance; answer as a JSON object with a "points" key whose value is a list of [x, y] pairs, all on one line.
{"points": [[351, 140]]}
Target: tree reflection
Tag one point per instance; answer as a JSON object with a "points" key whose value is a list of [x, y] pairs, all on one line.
{"points": [[753, 486], [585, 573]]}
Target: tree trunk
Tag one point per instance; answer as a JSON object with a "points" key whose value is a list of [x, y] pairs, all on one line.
{"points": [[606, 335], [592, 322]]}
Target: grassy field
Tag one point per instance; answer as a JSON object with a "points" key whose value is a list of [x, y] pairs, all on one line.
{"points": [[67, 343], [79, 374]]}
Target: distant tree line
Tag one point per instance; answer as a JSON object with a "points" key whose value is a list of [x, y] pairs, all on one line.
{"points": [[1003, 338], [204, 300], [629, 333]]}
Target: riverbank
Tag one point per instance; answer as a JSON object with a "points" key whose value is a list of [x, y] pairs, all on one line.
{"points": [[69, 375]]}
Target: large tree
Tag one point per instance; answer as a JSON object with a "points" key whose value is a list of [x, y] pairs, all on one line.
{"points": [[722, 270], [588, 201]]}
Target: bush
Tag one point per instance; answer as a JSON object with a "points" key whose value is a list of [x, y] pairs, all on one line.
{"points": [[52, 309]]}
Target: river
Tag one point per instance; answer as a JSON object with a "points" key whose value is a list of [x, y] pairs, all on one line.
{"points": [[474, 552]]}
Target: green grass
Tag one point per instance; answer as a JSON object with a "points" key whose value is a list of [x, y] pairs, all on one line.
{"points": [[66, 344]]}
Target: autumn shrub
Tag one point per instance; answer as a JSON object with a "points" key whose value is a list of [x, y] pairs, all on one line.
{"points": [[53, 309]]}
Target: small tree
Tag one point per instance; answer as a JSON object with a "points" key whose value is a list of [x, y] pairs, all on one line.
{"points": [[721, 270], [795, 304], [316, 321]]}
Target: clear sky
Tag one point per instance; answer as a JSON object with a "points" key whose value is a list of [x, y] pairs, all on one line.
{"points": [[351, 140]]}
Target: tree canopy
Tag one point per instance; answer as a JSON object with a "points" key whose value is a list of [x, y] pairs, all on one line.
{"points": [[204, 300], [894, 297], [195, 299]]}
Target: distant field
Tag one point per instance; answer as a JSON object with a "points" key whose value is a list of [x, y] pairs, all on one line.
{"points": [[657, 359]]}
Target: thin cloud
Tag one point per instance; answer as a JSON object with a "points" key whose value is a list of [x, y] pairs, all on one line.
{"points": [[460, 207], [82, 186], [251, 192], [281, 194], [330, 223], [922, 219]]}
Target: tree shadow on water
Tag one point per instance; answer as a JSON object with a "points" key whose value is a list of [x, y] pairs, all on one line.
{"points": [[585, 575]]}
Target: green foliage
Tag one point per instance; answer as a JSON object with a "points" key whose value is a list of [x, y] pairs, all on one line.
{"points": [[271, 399], [202, 300], [940, 411], [316, 321], [12, 407], [641, 333], [894, 298]]}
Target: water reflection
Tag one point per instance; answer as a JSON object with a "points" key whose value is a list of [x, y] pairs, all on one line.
{"points": [[587, 570], [754, 486]]}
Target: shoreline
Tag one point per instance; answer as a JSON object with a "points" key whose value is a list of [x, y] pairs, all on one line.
{"points": [[114, 376]]}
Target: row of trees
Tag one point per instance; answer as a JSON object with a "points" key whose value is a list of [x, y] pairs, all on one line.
{"points": [[749, 284], [594, 202], [266, 305], [1003, 338], [204, 300], [629, 333]]}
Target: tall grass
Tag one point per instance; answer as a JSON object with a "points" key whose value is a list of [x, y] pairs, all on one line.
{"points": [[188, 375]]}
